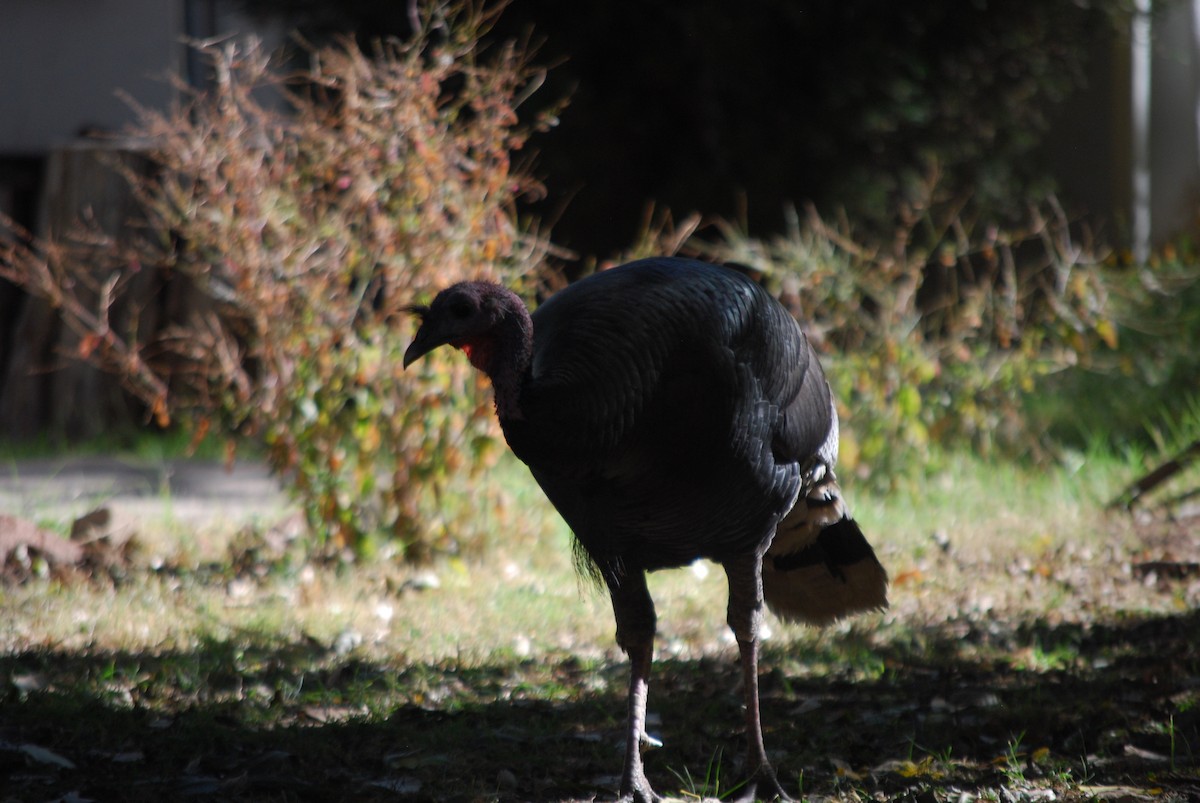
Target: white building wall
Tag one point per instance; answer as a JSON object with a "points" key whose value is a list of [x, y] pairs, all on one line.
{"points": [[1174, 150], [62, 63]]}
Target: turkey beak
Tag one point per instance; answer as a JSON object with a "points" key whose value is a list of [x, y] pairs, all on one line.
{"points": [[425, 340]]}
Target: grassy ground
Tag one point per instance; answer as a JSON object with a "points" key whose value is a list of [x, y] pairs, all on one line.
{"points": [[1026, 656]]}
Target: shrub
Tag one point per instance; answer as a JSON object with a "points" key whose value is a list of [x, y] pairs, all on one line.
{"points": [[1144, 393], [304, 212]]}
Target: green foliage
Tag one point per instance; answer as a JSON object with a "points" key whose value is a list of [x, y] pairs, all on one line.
{"points": [[304, 213], [1143, 393], [937, 333], [709, 787], [969, 89]]}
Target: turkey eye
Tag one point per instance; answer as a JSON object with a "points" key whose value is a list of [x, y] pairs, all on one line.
{"points": [[461, 309]]}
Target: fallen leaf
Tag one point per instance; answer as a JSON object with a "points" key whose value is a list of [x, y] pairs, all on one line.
{"points": [[906, 577], [27, 682], [333, 713], [16, 533], [86, 525], [401, 786], [130, 757], [1116, 794], [843, 769], [1145, 755], [44, 756], [902, 767]]}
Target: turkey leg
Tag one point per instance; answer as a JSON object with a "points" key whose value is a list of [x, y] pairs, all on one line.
{"points": [[745, 613], [636, 621]]}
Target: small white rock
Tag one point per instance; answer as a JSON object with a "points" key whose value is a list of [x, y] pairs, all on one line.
{"points": [[384, 611], [424, 581], [346, 641]]}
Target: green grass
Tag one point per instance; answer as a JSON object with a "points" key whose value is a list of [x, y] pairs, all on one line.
{"points": [[216, 666], [710, 786]]}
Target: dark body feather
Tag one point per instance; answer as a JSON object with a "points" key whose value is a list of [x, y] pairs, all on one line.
{"points": [[669, 407]]}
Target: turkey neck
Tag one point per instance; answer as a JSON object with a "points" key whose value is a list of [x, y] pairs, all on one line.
{"points": [[505, 355]]}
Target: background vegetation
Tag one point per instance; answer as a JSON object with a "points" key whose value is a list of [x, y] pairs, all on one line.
{"points": [[997, 366], [739, 111]]}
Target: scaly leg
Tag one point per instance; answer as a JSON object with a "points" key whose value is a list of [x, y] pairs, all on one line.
{"points": [[636, 622], [745, 613]]}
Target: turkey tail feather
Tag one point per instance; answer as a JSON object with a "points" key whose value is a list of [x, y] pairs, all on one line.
{"points": [[820, 567]]}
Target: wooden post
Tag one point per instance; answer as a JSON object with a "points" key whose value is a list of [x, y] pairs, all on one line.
{"points": [[45, 388]]}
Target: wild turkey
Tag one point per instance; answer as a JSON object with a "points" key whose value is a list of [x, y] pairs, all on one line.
{"points": [[673, 410]]}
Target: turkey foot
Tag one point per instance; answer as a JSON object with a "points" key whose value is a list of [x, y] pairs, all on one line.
{"points": [[763, 785], [638, 791]]}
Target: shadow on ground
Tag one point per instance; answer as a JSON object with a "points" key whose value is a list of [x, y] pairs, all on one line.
{"points": [[961, 713]]}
